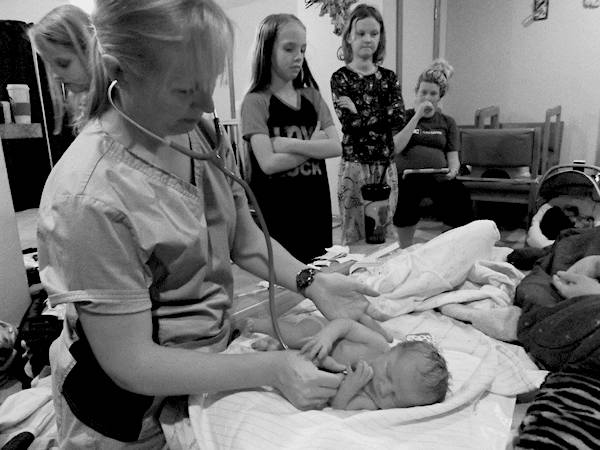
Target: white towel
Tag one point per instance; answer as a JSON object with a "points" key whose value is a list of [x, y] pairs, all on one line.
{"points": [[474, 416]]}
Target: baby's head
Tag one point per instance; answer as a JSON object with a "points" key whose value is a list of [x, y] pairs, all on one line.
{"points": [[412, 373]]}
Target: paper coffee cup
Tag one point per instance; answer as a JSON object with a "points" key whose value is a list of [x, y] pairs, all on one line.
{"points": [[6, 112], [19, 100]]}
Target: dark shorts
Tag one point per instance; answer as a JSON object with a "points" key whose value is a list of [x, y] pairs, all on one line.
{"points": [[451, 200]]}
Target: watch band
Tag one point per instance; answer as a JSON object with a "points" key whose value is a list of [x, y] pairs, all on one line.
{"points": [[305, 278]]}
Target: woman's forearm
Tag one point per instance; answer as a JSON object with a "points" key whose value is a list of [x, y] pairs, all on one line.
{"points": [[269, 161], [318, 149], [197, 372], [281, 162], [135, 363], [401, 138], [453, 161]]}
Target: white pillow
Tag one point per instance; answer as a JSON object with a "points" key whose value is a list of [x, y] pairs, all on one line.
{"points": [[535, 237]]}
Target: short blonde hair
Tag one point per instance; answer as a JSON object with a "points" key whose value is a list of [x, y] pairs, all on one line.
{"points": [[135, 31]]}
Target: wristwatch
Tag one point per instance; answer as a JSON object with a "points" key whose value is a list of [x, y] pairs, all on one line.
{"points": [[304, 279]]}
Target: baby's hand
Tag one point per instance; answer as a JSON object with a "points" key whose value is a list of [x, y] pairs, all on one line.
{"points": [[317, 347], [360, 376]]}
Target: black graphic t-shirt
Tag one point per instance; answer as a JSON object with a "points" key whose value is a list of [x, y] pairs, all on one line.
{"points": [[296, 203], [431, 140]]}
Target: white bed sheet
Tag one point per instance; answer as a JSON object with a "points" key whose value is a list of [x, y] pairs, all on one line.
{"points": [[486, 374]]}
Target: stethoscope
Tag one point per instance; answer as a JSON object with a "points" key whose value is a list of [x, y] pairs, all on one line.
{"points": [[215, 158]]}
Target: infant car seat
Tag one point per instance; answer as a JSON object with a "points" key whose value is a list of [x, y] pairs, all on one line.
{"points": [[575, 189]]}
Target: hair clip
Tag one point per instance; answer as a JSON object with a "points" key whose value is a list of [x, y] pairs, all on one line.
{"points": [[424, 337]]}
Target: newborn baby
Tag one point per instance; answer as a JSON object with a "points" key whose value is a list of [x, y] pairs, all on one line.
{"points": [[379, 376]]}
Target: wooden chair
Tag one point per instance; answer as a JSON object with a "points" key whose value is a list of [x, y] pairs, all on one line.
{"points": [[489, 112], [505, 164], [552, 133]]}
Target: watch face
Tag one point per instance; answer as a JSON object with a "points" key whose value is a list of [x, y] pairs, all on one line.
{"points": [[304, 278]]}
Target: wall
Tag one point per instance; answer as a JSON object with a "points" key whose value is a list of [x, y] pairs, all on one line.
{"points": [[26, 10], [417, 44], [527, 69]]}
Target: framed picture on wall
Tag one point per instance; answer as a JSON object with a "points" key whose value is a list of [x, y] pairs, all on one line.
{"points": [[540, 9]]}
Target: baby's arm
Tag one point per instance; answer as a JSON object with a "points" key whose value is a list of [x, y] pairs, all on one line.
{"points": [[346, 396], [321, 343]]}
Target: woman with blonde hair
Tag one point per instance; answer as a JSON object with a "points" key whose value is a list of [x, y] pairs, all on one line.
{"points": [[138, 239], [62, 39]]}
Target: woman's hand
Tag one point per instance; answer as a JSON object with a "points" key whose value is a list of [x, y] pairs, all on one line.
{"points": [[589, 265], [345, 102], [340, 297], [452, 173], [571, 284], [424, 109], [281, 144], [317, 347], [318, 134], [453, 165], [302, 384]]}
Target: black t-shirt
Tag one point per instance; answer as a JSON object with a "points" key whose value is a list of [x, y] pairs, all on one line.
{"points": [[431, 140], [296, 203]]}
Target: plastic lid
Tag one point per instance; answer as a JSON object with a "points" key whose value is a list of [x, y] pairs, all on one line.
{"points": [[18, 86]]}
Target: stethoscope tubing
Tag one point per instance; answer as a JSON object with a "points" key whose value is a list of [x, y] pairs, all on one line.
{"points": [[215, 158]]}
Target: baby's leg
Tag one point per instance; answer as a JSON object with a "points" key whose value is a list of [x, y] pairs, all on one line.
{"points": [[294, 333]]}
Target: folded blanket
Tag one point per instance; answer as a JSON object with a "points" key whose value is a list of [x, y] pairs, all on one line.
{"points": [[459, 266]]}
